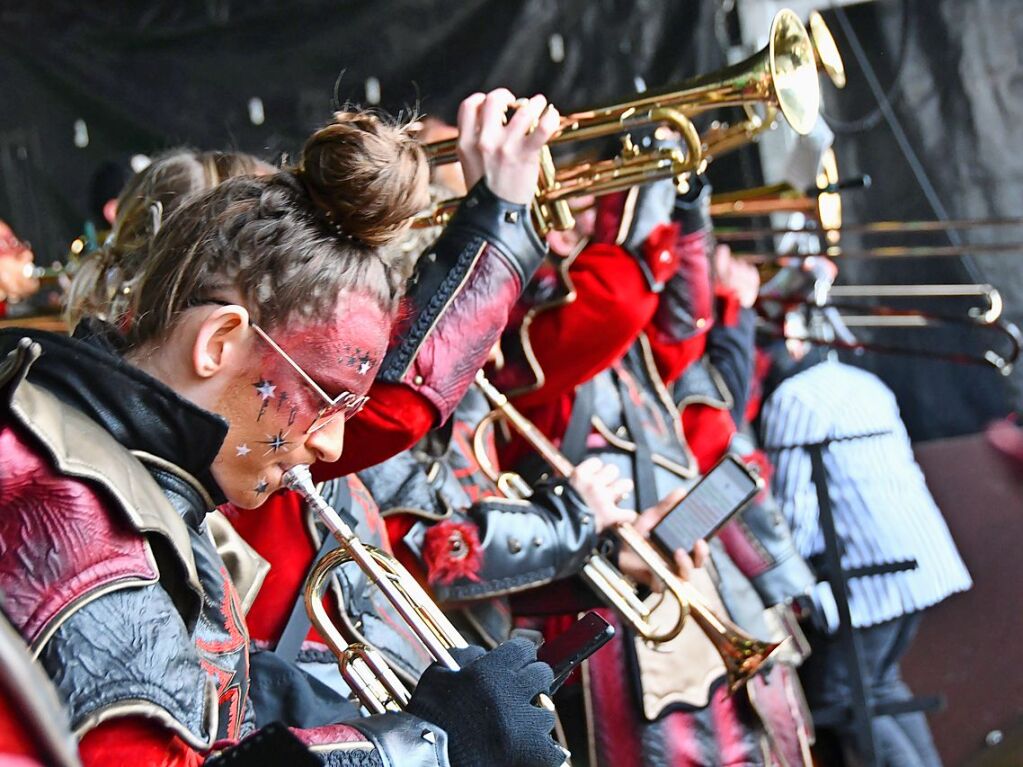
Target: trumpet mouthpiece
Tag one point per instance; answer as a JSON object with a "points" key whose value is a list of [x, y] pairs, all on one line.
{"points": [[299, 479]]}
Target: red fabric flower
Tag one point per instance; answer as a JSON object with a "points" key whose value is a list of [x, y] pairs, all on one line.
{"points": [[452, 551]]}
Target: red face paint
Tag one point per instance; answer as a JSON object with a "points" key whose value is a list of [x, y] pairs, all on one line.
{"points": [[270, 406]]}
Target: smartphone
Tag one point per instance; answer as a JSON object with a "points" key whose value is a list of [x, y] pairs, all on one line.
{"points": [[572, 647], [723, 491]]}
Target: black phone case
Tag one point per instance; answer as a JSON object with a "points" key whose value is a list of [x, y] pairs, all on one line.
{"points": [[687, 529], [579, 642]]}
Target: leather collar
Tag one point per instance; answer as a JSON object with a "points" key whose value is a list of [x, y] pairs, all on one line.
{"points": [[88, 373]]}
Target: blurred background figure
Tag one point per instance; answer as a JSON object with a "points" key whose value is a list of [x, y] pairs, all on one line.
{"points": [[17, 266]]}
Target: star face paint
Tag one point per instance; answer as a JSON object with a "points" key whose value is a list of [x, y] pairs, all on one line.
{"points": [[277, 419]]}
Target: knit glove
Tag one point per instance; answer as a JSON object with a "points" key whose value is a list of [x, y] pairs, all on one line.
{"points": [[487, 708]]}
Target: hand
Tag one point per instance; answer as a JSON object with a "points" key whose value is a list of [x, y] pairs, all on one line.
{"points": [[740, 277], [630, 564], [487, 708], [506, 154], [601, 488]]}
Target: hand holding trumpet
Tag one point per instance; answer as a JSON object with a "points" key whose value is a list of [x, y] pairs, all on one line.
{"points": [[505, 153]]}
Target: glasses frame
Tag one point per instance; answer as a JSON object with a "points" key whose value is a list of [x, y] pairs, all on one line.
{"points": [[335, 404]]}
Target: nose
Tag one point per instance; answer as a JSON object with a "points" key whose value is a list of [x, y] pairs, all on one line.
{"points": [[328, 443]]}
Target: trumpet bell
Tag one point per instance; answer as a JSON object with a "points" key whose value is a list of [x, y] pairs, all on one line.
{"points": [[828, 57], [793, 72]]}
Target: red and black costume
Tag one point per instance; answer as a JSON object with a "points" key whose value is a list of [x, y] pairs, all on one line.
{"points": [[110, 574], [594, 372], [464, 287], [448, 520]]}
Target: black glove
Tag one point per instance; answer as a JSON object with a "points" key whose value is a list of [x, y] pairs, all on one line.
{"points": [[487, 707], [692, 209]]}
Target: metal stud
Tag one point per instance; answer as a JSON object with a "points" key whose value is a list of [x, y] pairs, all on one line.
{"points": [[514, 545]]}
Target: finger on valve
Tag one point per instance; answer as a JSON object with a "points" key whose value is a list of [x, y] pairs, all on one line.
{"points": [[527, 116]]}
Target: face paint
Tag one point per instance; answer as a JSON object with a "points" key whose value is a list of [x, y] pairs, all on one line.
{"points": [[270, 406], [277, 442]]}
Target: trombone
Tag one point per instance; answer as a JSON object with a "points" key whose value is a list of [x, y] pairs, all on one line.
{"points": [[742, 654], [363, 668], [782, 76]]}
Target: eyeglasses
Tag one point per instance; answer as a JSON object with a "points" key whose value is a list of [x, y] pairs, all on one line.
{"points": [[346, 403]]}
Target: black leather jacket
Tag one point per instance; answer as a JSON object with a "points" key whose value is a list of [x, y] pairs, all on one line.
{"points": [[510, 544], [102, 459]]}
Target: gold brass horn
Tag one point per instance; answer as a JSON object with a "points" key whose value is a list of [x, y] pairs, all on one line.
{"points": [[742, 654], [782, 77], [721, 138], [822, 205], [825, 50], [363, 668], [782, 74], [630, 168]]}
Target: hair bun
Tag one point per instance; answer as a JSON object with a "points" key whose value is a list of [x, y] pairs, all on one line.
{"points": [[369, 175]]}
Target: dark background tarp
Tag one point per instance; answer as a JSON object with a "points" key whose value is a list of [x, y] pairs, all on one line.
{"points": [[148, 75]]}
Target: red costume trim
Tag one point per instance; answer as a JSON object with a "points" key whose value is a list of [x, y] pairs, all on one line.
{"points": [[60, 540], [451, 552]]}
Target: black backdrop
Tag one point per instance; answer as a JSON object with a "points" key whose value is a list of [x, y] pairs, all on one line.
{"points": [[157, 73]]}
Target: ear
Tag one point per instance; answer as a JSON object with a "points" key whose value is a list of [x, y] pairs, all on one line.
{"points": [[221, 341]]}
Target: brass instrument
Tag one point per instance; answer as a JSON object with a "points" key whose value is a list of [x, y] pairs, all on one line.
{"points": [[782, 77], [984, 315], [822, 205], [825, 51], [363, 668], [782, 74], [722, 138], [910, 227], [742, 654], [631, 168]]}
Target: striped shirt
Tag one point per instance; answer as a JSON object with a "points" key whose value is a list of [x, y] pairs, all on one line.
{"points": [[883, 510]]}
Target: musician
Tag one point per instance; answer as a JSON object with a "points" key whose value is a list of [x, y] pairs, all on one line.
{"points": [[883, 514], [137, 437], [643, 281], [16, 261], [103, 283]]}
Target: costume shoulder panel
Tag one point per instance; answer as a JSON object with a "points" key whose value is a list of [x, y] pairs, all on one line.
{"points": [[128, 653], [77, 509], [58, 542]]}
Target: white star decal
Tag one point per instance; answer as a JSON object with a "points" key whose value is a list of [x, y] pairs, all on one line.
{"points": [[265, 389], [242, 450], [364, 368]]}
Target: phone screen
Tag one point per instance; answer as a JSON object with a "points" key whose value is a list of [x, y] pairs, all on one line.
{"points": [[724, 491]]}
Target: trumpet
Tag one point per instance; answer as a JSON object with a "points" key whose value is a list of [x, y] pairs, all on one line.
{"points": [[825, 50], [364, 668], [782, 77], [782, 74], [630, 168], [722, 138], [741, 653]]}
